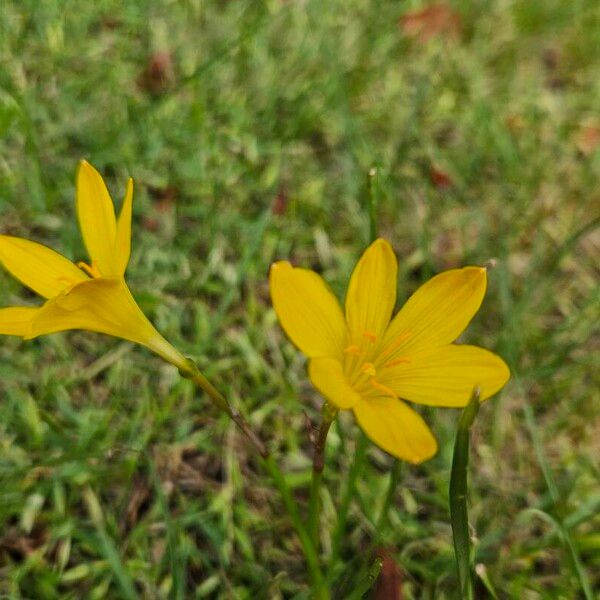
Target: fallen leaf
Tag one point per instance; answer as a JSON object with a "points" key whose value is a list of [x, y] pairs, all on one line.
{"points": [[163, 198], [158, 74], [389, 582], [21, 545], [588, 138], [432, 21], [440, 179], [140, 493], [280, 203]]}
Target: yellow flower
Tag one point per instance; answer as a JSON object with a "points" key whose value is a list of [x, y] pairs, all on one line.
{"points": [[83, 296], [366, 361]]}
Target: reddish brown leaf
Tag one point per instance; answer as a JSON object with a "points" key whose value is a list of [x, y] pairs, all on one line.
{"points": [[21, 545], [150, 223], [389, 582], [280, 203], [440, 179], [588, 138], [164, 198], [158, 74], [140, 493], [431, 21]]}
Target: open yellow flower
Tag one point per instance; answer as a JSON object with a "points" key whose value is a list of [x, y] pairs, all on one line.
{"points": [[366, 361], [83, 296]]}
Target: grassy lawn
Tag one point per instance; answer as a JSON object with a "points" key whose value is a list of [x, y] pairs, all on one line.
{"points": [[249, 129]]}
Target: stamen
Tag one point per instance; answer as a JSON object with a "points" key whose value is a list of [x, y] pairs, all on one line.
{"points": [[370, 336], [90, 270], [383, 388], [352, 350], [68, 282], [369, 369], [394, 345], [397, 361], [65, 280]]}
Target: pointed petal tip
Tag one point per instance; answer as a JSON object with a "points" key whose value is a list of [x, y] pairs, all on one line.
{"points": [[425, 454], [382, 244], [476, 270], [87, 169], [280, 266], [84, 165], [504, 369], [381, 241]]}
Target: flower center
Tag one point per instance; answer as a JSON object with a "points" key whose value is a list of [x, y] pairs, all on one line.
{"points": [[365, 361], [368, 369]]}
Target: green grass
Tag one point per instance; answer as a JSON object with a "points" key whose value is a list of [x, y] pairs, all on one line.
{"points": [[116, 479]]}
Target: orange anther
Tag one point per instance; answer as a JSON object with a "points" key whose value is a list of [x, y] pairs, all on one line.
{"points": [[352, 350], [394, 345], [397, 361], [370, 336], [383, 388], [90, 270], [369, 369]]}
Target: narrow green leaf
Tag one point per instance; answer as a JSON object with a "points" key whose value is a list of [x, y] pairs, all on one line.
{"points": [[458, 497]]}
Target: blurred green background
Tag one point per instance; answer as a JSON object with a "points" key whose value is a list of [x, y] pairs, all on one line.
{"points": [[249, 128]]}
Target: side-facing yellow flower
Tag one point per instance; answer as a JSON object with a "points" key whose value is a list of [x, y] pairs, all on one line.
{"points": [[366, 361], [83, 296]]}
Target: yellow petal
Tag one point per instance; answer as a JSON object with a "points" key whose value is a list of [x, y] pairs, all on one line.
{"points": [[446, 376], [396, 428], [16, 320], [437, 313], [97, 219], [123, 243], [307, 310], [372, 292], [43, 270], [105, 306], [328, 377]]}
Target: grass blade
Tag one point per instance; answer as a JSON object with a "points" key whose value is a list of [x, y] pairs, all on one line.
{"points": [[458, 497]]}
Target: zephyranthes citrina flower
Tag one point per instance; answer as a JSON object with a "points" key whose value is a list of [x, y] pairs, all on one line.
{"points": [[83, 296], [368, 362]]}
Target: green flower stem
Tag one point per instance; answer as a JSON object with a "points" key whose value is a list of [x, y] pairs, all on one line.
{"points": [[320, 589], [329, 414], [356, 467], [366, 583], [372, 202], [190, 371], [389, 496], [458, 498]]}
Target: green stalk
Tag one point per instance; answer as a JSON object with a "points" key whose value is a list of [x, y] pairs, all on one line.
{"points": [[372, 203], [366, 583], [190, 371], [321, 592], [355, 468], [458, 498], [389, 496], [314, 515]]}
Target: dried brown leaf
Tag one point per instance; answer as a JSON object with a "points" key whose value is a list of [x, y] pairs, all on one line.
{"points": [[389, 582], [436, 20]]}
